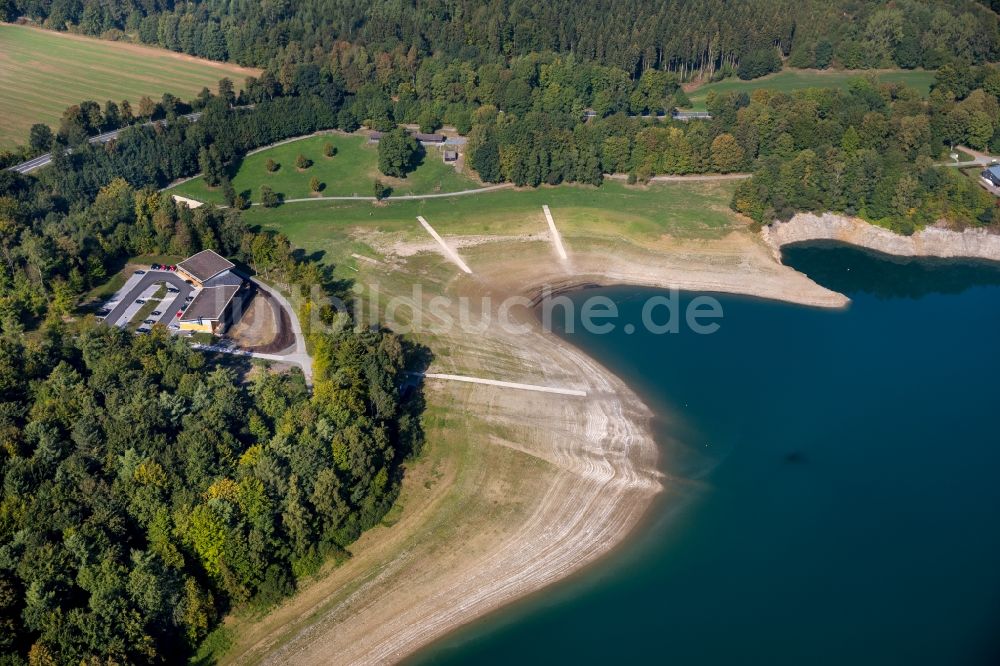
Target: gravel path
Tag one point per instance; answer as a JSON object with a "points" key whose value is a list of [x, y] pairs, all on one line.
{"points": [[511, 385]]}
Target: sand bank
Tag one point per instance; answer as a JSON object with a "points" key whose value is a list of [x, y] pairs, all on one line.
{"points": [[536, 486]]}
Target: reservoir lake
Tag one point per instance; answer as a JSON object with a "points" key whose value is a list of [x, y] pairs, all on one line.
{"points": [[832, 484]]}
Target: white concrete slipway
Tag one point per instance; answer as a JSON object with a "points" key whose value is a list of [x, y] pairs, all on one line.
{"points": [[450, 253], [556, 238]]}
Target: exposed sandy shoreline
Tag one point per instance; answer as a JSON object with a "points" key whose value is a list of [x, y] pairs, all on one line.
{"points": [[567, 478], [929, 242]]}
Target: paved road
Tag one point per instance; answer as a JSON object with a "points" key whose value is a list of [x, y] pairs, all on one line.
{"points": [[676, 115], [692, 178], [404, 197], [504, 186], [300, 356], [136, 285], [979, 159], [131, 308], [46, 159]]}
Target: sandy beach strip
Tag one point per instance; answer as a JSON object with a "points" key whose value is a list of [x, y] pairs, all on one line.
{"points": [[540, 484]]}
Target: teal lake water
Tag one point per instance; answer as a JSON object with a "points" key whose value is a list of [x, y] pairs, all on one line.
{"points": [[833, 493]]}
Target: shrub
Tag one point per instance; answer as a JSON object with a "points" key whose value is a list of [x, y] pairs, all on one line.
{"points": [[271, 165], [268, 197], [381, 191], [329, 149], [315, 185], [303, 162]]}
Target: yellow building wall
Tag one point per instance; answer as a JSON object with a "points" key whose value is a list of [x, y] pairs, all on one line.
{"points": [[187, 276], [203, 327]]}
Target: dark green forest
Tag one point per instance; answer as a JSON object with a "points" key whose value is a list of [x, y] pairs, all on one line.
{"points": [[147, 491], [689, 37]]}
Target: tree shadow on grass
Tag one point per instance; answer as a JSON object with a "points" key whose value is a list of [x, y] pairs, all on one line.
{"points": [[300, 254]]}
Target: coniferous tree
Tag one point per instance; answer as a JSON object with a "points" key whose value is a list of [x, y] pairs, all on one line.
{"points": [[211, 166]]}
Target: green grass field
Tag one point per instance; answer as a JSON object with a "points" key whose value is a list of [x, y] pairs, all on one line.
{"points": [[352, 171], [42, 72], [585, 215], [797, 79]]}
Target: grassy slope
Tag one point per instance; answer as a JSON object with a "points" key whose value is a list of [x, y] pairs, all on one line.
{"points": [[352, 171], [610, 212], [43, 72], [797, 79], [462, 484]]}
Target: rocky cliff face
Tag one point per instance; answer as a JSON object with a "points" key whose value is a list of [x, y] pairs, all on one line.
{"points": [[930, 242]]}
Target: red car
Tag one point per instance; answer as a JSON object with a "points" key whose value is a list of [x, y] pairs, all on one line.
{"points": [[179, 313]]}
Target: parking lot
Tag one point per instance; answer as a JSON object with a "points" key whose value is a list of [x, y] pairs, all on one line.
{"points": [[141, 286]]}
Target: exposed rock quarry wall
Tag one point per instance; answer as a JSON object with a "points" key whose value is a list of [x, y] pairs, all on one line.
{"points": [[930, 242]]}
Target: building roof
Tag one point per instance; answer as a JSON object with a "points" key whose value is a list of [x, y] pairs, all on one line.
{"points": [[210, 303], [429, 138], [451, 155], [995, 170], [205, 265], [225, 278]]}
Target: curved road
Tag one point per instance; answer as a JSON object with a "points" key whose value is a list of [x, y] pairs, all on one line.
{"points": [[405, 197], [298, 356], [979, 159], [693, 178], [46, 159]]}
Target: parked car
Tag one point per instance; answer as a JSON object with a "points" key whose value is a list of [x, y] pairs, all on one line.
{"points": [[103, 312], [171, 268], [142, 329], [149, 321], [140, 273], [189, 298], [139, 301], [184, 306], [174, 327], [172, 290], [154, 267], [155, 313], [179, 313]]}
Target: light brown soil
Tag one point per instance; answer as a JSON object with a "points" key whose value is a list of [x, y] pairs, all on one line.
{"points": [[285, 337], [516, 489], [256, 326], [264, 326]]}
